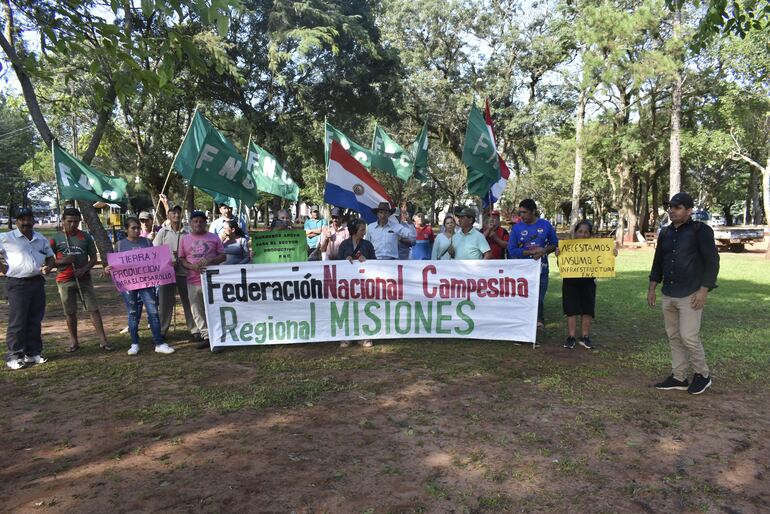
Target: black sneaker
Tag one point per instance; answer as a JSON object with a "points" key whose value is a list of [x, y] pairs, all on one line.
{"points": [[218, 349], [203, 344], [699, 384], [585, 342], [570, 342], [196, 338], [672, 384]]}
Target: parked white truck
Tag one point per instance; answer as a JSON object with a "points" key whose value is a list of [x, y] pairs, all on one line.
{"points": [[733, 238]]}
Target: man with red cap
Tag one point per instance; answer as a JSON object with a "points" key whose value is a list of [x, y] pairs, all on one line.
{"points": [[497, 236]]}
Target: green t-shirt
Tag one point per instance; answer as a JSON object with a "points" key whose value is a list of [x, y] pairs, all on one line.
{"points": [[80, 244], [470, 246]]}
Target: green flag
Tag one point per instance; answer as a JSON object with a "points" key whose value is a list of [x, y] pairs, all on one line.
{"points": [[420, 153], [479, 155], [187, 155], [360, 153], [79, 181], [211, 162], [390, 157], [268, 175]]}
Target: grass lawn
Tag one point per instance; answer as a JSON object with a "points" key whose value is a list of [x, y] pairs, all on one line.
{"points": [[408, 426]]}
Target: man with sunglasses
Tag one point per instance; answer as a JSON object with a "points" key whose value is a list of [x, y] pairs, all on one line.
{"points": [[25, 257], [533, 238], [687, 263], [333, 235]]}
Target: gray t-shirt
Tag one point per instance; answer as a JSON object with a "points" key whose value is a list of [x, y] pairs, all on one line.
{"points": [[124, 244]]}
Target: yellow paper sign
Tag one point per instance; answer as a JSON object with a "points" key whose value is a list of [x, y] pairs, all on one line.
{"points": [[584, 258]]}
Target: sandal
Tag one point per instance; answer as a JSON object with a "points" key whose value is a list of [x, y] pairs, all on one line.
{"points": [[105, 347], [72, 348]]}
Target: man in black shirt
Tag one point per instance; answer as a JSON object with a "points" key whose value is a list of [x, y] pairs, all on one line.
{"points": [[687, 263]]}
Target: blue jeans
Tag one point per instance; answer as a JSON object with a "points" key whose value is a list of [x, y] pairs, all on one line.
{"points": [[134, 301], [541, 295]]}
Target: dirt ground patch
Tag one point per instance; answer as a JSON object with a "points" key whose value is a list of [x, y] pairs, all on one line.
{"points": [[408, 426]]}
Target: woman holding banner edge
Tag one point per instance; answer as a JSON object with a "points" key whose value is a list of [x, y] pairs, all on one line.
{"points": [[147, 295]]}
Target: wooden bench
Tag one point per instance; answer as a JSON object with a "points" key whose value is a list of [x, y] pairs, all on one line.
{"points": [[650, 238]]}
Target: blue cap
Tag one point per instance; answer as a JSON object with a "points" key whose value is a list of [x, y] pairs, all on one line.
{"points": [[23, 213]]}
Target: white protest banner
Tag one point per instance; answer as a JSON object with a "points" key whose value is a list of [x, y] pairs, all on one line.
{"points": [[304, 302], [142, 267]]}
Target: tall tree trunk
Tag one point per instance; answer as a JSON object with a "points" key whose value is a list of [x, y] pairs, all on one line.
{"points": [[751, 188], [655, 196], [576, 183], [675, 165], [644, 205], [90, 216], [766, 199]]}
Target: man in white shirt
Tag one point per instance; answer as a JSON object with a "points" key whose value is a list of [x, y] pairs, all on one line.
{"points": [[469, 243], [225, 215], [386, 232], [170, 234], [25, 256]]}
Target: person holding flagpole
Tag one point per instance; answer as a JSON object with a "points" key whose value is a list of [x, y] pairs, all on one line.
{"points": [[497, 236], [75, 256]]}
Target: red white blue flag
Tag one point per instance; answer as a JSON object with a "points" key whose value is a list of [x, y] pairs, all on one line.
{"points": [[349, 185], [496, 191]]}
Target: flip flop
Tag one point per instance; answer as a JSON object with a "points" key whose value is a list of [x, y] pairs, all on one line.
{"points": [[105, 347], [72, 348]]}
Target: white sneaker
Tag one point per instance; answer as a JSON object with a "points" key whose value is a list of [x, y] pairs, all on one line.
{"points": [[35, 359], [15, 364], [164, 348], [366, 343], [133, 350], [124, 331], [344, 344]]}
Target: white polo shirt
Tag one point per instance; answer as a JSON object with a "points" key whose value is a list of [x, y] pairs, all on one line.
{"points": [[24, 256], [385, 238]]}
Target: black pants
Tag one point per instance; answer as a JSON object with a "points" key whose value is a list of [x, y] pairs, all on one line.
{"points": [[26, 309]]}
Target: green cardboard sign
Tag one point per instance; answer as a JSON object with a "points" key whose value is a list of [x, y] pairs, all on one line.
{"points": [[278, 246]]}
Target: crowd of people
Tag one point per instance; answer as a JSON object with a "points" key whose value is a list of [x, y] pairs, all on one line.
{"points": [[686, 263]]}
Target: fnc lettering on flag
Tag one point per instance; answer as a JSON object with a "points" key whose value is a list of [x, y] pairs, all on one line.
{"points": [[337, 300]]}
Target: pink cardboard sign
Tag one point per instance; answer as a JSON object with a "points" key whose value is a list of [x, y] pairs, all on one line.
{"points": [[140, 268]]}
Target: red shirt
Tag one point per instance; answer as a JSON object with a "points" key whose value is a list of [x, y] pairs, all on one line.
{"points": [[426, 232], [498, 252]]}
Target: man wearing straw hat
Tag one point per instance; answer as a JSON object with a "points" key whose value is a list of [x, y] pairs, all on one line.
{"points": [[75, 256], [386, 232]]}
